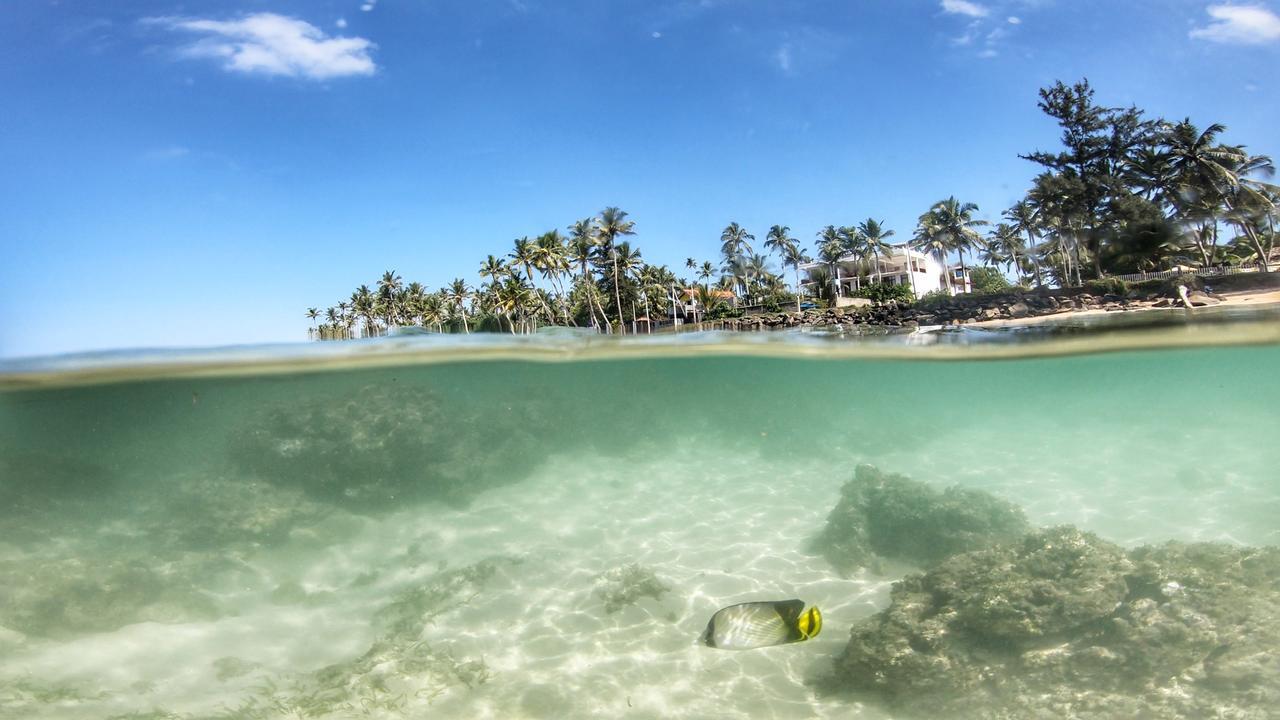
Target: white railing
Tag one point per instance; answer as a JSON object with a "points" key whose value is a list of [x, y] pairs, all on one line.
{"points": [[1189, 271]]}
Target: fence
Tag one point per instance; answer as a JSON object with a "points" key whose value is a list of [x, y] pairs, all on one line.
{"points": [[1186, 271]]}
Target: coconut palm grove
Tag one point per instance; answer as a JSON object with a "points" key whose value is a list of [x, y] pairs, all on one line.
{"points": [[1124, 193]]}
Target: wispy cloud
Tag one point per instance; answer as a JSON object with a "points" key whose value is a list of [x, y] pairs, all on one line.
{"points": [[964, 7], [271, 44], [1239, 25], [782, 56], [803, 48], [168, 152]]}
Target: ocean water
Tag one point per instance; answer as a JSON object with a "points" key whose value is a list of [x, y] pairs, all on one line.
{"points": [[541, 528]]}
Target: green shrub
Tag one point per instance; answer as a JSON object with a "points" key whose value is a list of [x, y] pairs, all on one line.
{"points": [[987, 280], [933, 299], [1107, 286], [880, 293], [722, 311]]}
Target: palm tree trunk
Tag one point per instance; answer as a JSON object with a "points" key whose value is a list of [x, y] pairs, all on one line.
{"points": [[1035, 261], [617, 293], [1253, 239], [797, 266]]}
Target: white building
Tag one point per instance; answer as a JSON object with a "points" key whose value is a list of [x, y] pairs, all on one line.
{"points": [[897, 266]]}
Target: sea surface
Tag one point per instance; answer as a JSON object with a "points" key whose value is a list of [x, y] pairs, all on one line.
{"points": [[541, 527]]}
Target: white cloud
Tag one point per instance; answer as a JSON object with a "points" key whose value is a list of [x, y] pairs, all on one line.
{"points": [[341, 23], [964, 7], [1015, 20], [169, 152], [369, 5], [271, 44], [783, 57], [656, 35], [1240, 24]]}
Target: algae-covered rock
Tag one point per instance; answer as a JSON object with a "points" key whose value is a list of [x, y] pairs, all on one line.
{"points": [[217, 512], [1064, 624], [384, 446], [401, 669], [624, 586], [63, 597], [884, 515]]}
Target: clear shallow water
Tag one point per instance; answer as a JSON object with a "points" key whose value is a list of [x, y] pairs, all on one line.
{"points": [[401, 528]]}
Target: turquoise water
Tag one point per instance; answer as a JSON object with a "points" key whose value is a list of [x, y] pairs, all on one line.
{"points": [[415, 528]]}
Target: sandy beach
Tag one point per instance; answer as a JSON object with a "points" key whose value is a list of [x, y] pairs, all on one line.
{"points": [[1251, 298]]}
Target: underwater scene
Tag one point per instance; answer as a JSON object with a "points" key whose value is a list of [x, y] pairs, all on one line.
{"points": [[1080, 525]]}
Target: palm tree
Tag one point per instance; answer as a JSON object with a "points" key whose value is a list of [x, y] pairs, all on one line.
{"points": [[831, 247], [1025, 219], [1208, 170], [312, 314], [387, 287], [929, 239], [612, 223], [733, 239], [789, 248], [458, 293], [494, 269], [873, 236], [582, 243], [955, 221], [525, 255], [629, 263], [552, 262], [1004, 243], [362, 302], [705, 272]]}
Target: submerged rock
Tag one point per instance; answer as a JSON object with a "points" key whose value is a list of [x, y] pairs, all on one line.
{"points": [[623, 586], [883, 515], [1064, 624], [384, 446], [64, 597]]}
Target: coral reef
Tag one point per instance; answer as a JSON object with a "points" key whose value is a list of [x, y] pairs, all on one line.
{"points": [[384, 446], [624, 586], [1064, 624], [884, 515]]}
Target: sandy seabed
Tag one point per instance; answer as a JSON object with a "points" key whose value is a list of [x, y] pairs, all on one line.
{"points": [[715, 528]]}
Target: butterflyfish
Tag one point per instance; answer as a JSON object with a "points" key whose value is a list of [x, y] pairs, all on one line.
{"points": [[762, 624]]}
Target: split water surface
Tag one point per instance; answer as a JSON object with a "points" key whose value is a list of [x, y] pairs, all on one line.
{"points": [[509, 527]]}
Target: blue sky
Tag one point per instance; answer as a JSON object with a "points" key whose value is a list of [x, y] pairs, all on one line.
{"points": [[199, 173]]}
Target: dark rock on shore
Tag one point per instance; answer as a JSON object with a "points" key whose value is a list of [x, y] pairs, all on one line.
{"points": [[1064, 624], [883, 515], [964, 309]]}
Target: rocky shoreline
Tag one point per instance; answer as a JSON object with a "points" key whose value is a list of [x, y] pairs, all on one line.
{"points": [[1014, 305], [961, 310]]}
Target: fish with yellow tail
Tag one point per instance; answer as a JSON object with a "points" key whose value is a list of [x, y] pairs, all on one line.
{"points": [[761, 624]]}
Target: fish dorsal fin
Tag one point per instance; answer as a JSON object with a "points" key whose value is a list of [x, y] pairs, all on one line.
{"points": [[789, 611]]}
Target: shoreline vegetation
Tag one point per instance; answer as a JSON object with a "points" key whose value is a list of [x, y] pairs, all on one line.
{"points": [[1124, 197]]}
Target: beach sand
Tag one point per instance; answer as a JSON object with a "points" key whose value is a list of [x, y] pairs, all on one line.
{"points": [[1237, 299]]}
